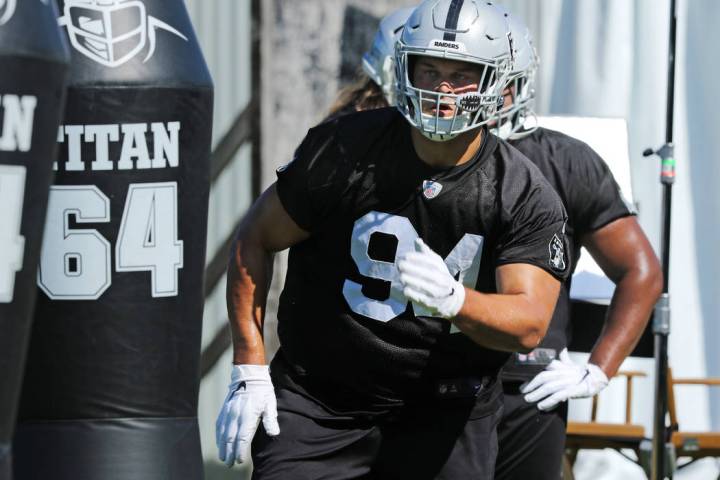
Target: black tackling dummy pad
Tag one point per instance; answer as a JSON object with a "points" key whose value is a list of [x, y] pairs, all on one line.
{"points": [[116, 449], [34, 59], [113, 366]]}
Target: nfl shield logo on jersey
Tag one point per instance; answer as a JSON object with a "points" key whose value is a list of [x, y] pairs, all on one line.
{"points": [[557, 253], [431, 189]]}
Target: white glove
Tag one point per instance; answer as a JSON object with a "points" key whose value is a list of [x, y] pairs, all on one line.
{"points": [[426, 280], [563, 379], [250, 397]]}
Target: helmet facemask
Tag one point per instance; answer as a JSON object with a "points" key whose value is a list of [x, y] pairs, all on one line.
{"points": [[424, 108], [513, 118]]}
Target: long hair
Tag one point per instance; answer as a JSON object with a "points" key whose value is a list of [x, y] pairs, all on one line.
{"points": [[362, 94]]}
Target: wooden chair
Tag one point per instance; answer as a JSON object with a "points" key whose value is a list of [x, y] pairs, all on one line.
{"points": [[692, 445], [601, 435], [597, 435]]}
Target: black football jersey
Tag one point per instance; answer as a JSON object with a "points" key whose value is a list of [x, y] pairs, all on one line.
{"points": [[349, 337], [592, 199]]}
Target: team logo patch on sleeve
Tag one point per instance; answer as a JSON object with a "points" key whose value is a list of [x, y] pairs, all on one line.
{"points": [[557, 253], [431, 189]]}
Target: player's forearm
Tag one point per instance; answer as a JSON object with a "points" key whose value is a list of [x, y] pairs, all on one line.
{"points": [[249, 275], [634, 298], [509, 322]]}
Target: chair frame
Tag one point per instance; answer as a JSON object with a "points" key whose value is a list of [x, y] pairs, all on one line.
{"points": [[596, 435]]}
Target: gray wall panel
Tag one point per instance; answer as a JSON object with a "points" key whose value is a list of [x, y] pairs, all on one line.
{"points": [[223, 29]]}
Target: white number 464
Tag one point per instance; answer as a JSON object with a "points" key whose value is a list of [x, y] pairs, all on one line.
{"points": [[75, 263]]}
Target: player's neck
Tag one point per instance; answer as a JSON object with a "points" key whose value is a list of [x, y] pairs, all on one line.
{"points": [[450, 153]]}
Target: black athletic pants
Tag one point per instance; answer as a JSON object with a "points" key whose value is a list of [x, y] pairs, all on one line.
{"points": [[448, 439], [531, 442]]}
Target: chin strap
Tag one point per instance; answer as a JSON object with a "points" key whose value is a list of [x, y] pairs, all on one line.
{"points": [[438, 137]]}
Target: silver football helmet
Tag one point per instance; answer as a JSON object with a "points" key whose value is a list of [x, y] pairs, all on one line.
{"points": [[465, 30], [514, 119], [379, 61]]}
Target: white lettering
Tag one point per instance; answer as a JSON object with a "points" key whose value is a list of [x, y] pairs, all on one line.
{"points": [[17, 122], [74, 135], [447, 45], [166, 144], [60, 139], [101, 135], [134, 148]]}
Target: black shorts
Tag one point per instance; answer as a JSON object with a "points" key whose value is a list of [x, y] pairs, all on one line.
{"points": [[442, 439], [531, 442]]}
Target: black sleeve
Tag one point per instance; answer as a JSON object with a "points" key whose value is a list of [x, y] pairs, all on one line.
{"points": [[532, 228], [593, 193], [535, 232], [307, 184]]}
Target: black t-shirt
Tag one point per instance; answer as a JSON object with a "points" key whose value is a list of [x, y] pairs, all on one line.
{"points": [[592, 199], [349, 337]]}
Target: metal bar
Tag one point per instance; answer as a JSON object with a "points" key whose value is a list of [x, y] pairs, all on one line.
{"points": [[239, 133], [670, 107], [255, 87], [245, 128], [661, 432], [214, 350], [218, 265]]}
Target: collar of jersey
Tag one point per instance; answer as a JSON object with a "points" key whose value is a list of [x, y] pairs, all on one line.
{"points": [[450, 175]]}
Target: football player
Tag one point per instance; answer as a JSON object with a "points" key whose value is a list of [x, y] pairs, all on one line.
{"points": [[532, 431], [423, 250]]}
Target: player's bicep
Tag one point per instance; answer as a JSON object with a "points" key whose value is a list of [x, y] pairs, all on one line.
{"points": [[535, 284], [269, 225], [619, 247]]}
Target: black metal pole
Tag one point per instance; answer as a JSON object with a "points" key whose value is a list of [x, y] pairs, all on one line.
{"points": [[660, 468]]}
